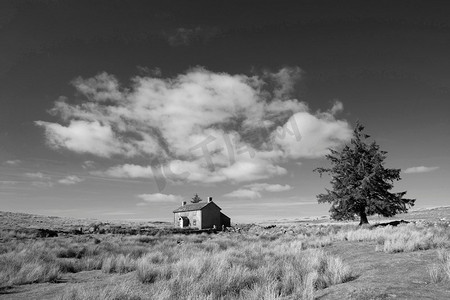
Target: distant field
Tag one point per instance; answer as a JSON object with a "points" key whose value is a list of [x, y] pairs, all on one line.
{"points": [[12, 220], [60, 258], [21, 220]]}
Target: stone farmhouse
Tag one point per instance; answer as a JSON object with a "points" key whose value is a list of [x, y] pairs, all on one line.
{"points": [[202, 215]]}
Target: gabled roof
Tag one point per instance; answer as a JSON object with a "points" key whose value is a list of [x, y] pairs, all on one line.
{"points": [[194, 206]]}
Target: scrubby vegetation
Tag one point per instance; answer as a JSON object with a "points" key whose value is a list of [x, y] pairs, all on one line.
{"points": [[405, 238], [181, 267], [441, 271], [271, 262]]}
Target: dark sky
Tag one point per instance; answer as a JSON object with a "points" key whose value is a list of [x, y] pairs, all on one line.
{"points": [[387, 62]]}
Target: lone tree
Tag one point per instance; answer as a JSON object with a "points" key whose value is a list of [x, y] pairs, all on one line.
{"points": [[196, 199], [361, 183]]}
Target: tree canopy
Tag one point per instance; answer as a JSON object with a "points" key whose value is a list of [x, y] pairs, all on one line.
{"points": [[360, 183], [196, 199]]}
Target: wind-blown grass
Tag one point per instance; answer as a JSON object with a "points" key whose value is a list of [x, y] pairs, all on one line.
{"points": [[27, 266], [440, 271], [250, 271], [403, 238], [260, 263], [225, 265]]}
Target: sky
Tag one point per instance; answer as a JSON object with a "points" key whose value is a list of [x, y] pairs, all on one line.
{"points": [[124, 109]]}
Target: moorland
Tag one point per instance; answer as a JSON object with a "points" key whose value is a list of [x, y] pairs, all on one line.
{"points": [[60, 258]]}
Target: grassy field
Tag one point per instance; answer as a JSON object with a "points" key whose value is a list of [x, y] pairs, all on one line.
{"points": [[290, 260]]}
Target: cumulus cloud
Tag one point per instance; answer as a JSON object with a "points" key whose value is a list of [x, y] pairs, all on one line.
{"points": [[253, 191], [37, 175], [8, 182], [314, 135], [337, 107], [285, 80], [158, 197], [421, 169], [127, 171], [243, 194], [103, 87], [70, 180], [88, 164], [268, 187], [197, 171], [199, 126], [85, 137], [14, 162]]}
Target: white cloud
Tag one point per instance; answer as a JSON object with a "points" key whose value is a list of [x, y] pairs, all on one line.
{"points": [[103, 87], [421, 169], [253, 169], [254, 190], [310, 136], [37, 175], [337, 107], [85, 137], [71, 179], [88, 164], [197, 171], [285, 80], [14, 162], [158, 197], [244, 194], [126, 171], [268, 187], [200, 126], [8, 182]]}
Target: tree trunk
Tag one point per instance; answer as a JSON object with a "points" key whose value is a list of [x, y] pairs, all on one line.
{"points": [[363, 220]]}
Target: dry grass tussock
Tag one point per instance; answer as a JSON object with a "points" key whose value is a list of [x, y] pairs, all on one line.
{"points": [[27, 266], [441, 271], [230, 265], [250, 271], [260, 263], [407, 240], [403, 238], [45, 260]]}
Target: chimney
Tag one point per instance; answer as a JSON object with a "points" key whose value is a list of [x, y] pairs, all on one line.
{"points": [[183, 203], [209, 199]]}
